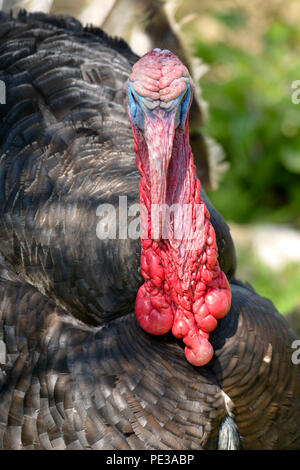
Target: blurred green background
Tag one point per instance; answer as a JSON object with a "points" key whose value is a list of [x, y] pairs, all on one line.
{"points": [[253, 54]]}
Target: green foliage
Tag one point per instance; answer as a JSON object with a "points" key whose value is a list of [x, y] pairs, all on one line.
{"points": [[282, 287], [253, 117], [232, 18]]}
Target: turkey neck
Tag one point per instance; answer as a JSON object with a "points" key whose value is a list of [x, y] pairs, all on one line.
{"points": [[184, 288]]}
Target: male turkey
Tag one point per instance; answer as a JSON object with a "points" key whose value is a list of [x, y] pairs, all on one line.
{"points": [[78, 371]]}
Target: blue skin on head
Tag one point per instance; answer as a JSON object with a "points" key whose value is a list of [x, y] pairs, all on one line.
{"points": [[137, 107]]}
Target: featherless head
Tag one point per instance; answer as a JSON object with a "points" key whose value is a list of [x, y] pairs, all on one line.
{"points": [[184, 290], [159, 84]]}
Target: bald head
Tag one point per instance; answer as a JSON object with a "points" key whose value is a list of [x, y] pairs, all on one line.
{"points": [[160, 78]]}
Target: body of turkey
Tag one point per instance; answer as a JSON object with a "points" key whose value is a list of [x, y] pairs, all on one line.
{"points": [[117, 343]]}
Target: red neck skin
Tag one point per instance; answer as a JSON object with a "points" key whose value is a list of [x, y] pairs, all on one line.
{"points": [[184, 289]]}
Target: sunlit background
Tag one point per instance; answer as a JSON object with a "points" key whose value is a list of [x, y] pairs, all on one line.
{"points": [[250, 54]]}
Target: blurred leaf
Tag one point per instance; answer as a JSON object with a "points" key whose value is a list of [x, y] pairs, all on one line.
{"points": [[281, 287], [253, 117], [234, 19], [291, 160]]}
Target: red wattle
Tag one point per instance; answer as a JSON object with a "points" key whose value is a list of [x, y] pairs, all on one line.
{"points": [[153, 313], [218, 302], [183, 322], [198, 350], [184, 291], [163, 304]]}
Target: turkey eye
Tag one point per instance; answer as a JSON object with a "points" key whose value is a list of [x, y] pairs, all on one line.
{"points": [[133, 98], [184, 107]]}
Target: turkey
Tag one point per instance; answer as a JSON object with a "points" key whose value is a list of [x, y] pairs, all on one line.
{"points": [[85, 362]]}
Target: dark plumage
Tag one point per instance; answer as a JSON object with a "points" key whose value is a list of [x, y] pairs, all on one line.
{"points": [[78, 370]]}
